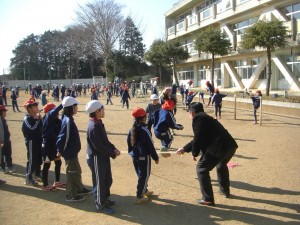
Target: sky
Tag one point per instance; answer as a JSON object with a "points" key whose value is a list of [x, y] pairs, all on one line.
{"points": [[20, 18]]}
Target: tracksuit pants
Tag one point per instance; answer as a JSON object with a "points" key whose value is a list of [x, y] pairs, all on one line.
{"points": [[34, 158], [206, 163], [74, 183], [218, 108], [6, 159], [165, 137], [101, 176], [142, 166]]}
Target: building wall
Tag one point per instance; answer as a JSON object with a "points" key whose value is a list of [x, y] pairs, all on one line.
{"points": [[241, 69]]}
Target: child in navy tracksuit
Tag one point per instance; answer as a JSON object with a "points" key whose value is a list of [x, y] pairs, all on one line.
{"points": [[151, 109], [68, 146], [141, 148], [163, 120], [109, 95], [6, 159], [210, 88], [32, 131], [99, 152], [14, 97], [94, 95], [256, 103], [125, 97], [217, 100], [51, 129], [189, 99]]}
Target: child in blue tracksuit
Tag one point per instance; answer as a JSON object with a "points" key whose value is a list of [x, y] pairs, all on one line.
{"points": [[109, 95], [141, 148], [51, 129], [68, 146], [189, 99], [6, 159], [14, 102], [256, 103], [210, 88], [125, 97], [94, 95], [99, 151], [32, 131], [217, 100], [151, 109], [163, 120]]}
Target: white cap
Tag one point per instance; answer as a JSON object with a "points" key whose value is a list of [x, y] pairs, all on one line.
{"points": [[154, 96], [93, 106], [69, 101]]}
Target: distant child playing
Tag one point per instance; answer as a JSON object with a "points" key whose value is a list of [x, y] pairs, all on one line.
{"points": [[141, 148], [256, 103], [217, 100], [151, 108]]}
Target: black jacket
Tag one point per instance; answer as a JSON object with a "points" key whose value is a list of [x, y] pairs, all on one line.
{"points": [[209, 136]]}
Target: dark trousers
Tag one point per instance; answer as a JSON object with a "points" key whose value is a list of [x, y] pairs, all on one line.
{"points": [[34, 158], [165, 137], [4, 99], [254, 114], [206, 163], [6, 159], [15, 104], [218, 110], [101, 176], [125, 101], [142, 166]]}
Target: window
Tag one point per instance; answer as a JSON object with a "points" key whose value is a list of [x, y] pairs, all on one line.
{"points": [[186, 73], [239, 28]]}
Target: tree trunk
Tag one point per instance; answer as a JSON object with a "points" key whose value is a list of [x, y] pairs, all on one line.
{"points": [[159, 69], [269, 72], [92, 67], [175, 79], [212, 66]]}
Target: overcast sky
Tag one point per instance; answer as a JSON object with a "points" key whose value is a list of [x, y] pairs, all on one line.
{"points": [[20, 18]]}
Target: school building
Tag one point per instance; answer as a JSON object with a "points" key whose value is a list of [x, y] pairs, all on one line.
{"points": [[241, 68]]}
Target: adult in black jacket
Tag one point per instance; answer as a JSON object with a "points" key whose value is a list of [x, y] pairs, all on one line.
{"points": [[217, 147]]}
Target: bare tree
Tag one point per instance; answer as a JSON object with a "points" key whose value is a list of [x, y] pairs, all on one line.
{"points": [[105, 20]]}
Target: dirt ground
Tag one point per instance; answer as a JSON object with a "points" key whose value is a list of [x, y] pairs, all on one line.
{"points": [[265, 185]]}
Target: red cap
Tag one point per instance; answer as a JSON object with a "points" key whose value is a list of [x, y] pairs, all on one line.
{"points": [[30, 102], [138, 112], [48, 107], [191, 81], [207, 82], [190, 93], [2, 108], [168, 105], [217, 90]]}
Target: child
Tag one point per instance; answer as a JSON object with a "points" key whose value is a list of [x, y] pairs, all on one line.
{"points": [[140, 147], [211, 90], [14, 97], [163, 120], [201, 95], [1, 145], [99, 150], [6, 149], [94, 94], [125, 97], [217, 100], [32, 131], [109, 95], [256, 103], [151, 108], [44, 98], [68, 146], [181, 89], [51, 129], [189, 99]]}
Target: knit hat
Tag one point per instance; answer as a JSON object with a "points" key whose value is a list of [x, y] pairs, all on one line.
{"points": [[138, 112], [168, 105]]}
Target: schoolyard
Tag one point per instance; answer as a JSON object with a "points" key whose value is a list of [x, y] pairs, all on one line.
{"points": [[265, 182]]}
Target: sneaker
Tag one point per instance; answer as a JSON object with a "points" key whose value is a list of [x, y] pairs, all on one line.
{"points": [[141, 200], [49, 188], [75, 199], [59, 184], [31, 182], [85, 191], [104, 209], [11, 170], [110, 202], [207, 203], [163, 149], [226, 195], [148, 193], [38, 178]]}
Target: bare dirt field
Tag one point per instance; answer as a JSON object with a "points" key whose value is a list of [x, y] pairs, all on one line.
{"points": [[265, 185]]}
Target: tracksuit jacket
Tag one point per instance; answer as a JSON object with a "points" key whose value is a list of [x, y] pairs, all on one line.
{"points": [[163, 120], [256, 101], [144, 144], [209, 136], [98, 143], [217, 99], [32, 128], [68, 141]]}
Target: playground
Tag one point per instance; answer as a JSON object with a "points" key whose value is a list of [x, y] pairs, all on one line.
{"points": [[265, 182]]}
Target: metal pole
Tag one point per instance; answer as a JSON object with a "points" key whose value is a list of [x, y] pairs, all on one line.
{"points": [[260, 112], [234, 117], [24, 78]]}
